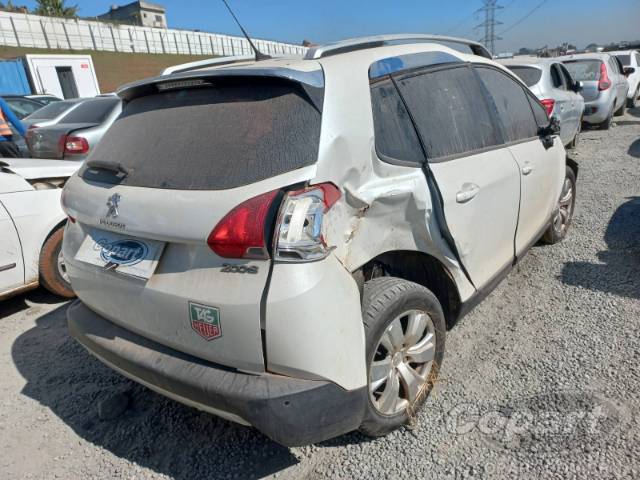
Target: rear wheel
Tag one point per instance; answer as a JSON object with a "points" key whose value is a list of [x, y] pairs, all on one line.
{"points": [[622, 110], [563, 215], [633, 101], [405, 333], [52, 269], [606, 125], [574, 142]]}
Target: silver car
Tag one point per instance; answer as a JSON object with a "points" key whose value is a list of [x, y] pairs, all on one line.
{"points": [[604, 84], [76, 133], [554, 86]]}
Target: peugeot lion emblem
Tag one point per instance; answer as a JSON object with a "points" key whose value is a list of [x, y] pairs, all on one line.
{"points": [[112, 203]]}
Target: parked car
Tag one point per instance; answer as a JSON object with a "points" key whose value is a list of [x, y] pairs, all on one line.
{"points": [[22, 106], [45, 99], [283, 258], [50, 114], [77, 133], [554, 86], [630, 60], [604, 85], [32, 225]]}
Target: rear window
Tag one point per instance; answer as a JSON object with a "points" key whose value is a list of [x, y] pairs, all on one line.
{"points": [[624, 59], [584, 70], [51, 111], [236, 133], [91, 111], [529, 75]]}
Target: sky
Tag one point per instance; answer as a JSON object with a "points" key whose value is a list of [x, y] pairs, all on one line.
{"points": [[555, 21]]}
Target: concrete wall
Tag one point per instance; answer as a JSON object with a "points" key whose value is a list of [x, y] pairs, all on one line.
{"points": [[24, 30]]}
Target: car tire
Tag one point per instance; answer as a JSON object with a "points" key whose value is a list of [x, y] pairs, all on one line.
{"points": [[392, 309], [633, 102], [606, 125], [563, 214], [622, 110], [51, 268]]}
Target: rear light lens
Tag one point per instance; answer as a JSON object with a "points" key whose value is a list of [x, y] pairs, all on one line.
{"points": [[76, 145], [549, 104], [241, 233], [604, 83], [298, 236]]}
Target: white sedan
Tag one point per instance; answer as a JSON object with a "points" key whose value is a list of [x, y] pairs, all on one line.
{"points": [[32, 224]]}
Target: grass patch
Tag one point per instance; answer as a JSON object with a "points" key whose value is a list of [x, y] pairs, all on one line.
{"points": [[113, 69]]}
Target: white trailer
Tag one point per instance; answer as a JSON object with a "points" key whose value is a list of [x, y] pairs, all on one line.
{"points": [[65, 76]]}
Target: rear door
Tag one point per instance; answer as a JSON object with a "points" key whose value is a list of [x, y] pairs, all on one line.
{"points": [[563, 107], [11, 264], [576, 103], [541, 169], [476, 175], [176, 164]]}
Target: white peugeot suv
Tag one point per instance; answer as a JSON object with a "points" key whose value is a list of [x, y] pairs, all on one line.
{"points": [[284, 242]]}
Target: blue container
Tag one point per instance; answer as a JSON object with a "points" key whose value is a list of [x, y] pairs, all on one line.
{"points": [[13, 78]]}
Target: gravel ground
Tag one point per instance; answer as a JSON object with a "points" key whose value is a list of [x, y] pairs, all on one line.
{"points": [[540, 381]]}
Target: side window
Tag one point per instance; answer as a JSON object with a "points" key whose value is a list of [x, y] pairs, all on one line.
{"points": [[511, 103], [395, 136], [450, 111], [539, 112], [637, 55], [567, 76], [556, 78], [614, 66]]}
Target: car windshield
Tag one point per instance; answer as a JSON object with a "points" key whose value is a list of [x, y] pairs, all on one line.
{"points": [[51, 111], [624, 59], [240, 132], [22, 106], [584, 70], [95, 110], [529, 75]]}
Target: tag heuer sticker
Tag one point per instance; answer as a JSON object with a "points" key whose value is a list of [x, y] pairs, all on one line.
{"points": [[205, 320]]}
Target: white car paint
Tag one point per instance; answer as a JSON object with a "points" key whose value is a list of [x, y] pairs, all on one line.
{"points": [[27, 217]]}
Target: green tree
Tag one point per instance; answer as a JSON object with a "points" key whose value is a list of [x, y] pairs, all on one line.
{"points": [[55, 8]]}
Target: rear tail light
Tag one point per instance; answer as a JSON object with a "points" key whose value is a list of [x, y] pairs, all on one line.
{"points": [[604, 83], [298, 236], [76, 145], [298, 232], [548, 104], [241, 233]]}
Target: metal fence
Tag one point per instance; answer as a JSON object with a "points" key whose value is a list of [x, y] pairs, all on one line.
{"points": [[24, 30]]}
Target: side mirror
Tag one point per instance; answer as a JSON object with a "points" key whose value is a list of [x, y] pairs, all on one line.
{"points": [[578, 87], [628, 71]]}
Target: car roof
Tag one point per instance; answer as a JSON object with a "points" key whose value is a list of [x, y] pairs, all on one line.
{"points": [[528, 61], [585, 56], [33, 168]]}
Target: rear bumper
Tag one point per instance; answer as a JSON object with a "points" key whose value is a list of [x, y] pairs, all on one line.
{"points": [[290, 411]]}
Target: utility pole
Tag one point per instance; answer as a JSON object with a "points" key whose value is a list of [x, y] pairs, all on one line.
{"points": [[489, 8]]}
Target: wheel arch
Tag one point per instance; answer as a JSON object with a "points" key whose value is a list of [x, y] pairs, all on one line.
{"points": [[573, 165], [418, 267]]}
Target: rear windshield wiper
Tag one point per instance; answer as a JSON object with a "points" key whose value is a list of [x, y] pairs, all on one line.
{"points": [[115, 167]]}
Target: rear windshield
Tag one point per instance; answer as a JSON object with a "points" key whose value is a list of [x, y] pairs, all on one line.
{"points": [[584, 70], [213, 138], [91, 111], [624, 59], [51, 111], [529, 75]]}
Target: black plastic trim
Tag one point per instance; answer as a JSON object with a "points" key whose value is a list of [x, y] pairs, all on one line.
{"points": [[290, 411]]}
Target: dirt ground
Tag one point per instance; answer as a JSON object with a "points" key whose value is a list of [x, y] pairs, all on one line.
{"points": [[542, 380]]}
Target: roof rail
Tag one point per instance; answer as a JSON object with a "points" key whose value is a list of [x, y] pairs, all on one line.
{"points": [[363, 43], [209, 62]]}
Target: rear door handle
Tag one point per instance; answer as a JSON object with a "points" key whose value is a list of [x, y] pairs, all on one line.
{"points": [[468, 192]]}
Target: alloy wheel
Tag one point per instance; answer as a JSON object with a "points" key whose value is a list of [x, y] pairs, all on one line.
{"points": [[402, 362], [62, 268], [565, 207]]}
